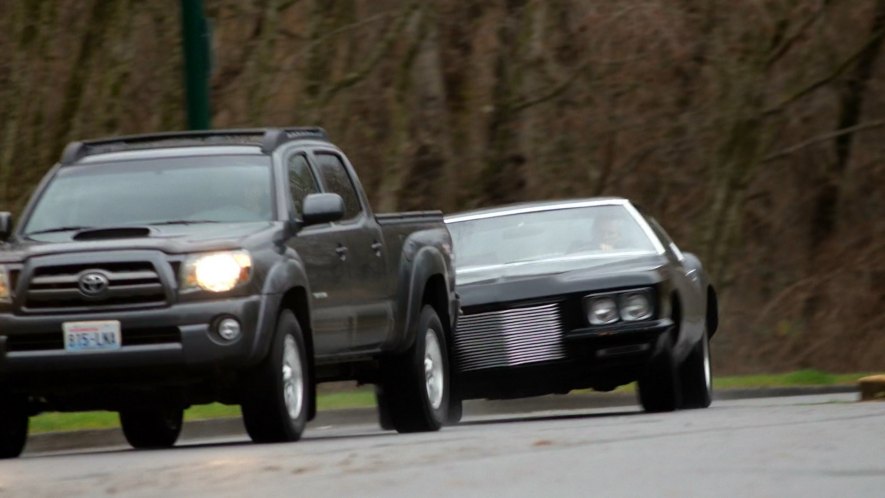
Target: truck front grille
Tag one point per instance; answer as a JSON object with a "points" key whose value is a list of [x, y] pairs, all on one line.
{"points": [[509, 337], [128, 284]]}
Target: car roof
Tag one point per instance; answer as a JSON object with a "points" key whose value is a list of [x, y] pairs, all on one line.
{"points": [[533, 207]]}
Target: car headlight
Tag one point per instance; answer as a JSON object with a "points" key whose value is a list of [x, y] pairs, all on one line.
{"points": [[601, 310], [5, 291], [635, 306], [217, 271]]}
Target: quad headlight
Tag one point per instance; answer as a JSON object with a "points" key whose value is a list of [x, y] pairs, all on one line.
{"points": [[629, 306], [602, 310], [635, 306], [217, 271]]}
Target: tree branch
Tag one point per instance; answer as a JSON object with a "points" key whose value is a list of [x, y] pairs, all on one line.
{"points": [[380, 50], [788, 43], [835, 73], [553, 93], [823, 138]]}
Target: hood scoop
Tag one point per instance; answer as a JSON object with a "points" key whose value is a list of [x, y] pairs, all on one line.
{"points": [[112, 233]]}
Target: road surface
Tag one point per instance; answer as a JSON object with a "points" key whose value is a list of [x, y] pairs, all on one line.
{"points": [[827, 445]]}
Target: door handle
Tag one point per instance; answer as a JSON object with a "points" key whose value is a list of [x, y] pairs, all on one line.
{"points": [[376, 246], [341, 251]]}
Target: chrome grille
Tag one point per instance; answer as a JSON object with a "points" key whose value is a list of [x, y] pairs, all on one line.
{"points": [[131, 283], [509, 337]]}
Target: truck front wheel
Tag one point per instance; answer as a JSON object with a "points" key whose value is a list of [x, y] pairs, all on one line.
{"points": [[416, 383], [13, 426], [275, 398]]}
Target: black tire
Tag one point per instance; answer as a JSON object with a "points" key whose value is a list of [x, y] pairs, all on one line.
{"points": [[384, 419], [659, 383], [266, 412], [406, 385], [696, 376], [152, 428], [456, 411], [13, 426]]}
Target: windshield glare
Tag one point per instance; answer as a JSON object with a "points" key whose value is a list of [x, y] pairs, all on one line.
{"points": [[555, 234], [219, 188]]}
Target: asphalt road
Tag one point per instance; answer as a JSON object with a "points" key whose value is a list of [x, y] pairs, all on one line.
{"points": [[826, 445]]}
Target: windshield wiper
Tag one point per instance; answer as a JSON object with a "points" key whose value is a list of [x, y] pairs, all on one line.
{"points": [[58, 229], [182, 222]]}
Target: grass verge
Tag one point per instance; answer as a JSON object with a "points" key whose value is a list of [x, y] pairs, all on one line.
{"points": [[363, 397]]}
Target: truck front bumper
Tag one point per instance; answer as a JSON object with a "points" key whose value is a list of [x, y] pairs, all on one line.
{"points": [[181, 336]]}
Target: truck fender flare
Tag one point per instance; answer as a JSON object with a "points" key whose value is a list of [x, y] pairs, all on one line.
{"points": [[281, 278], [426, 262]]}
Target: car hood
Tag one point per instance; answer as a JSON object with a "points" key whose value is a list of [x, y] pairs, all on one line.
{"points": [[558, 276], [171, 239]]}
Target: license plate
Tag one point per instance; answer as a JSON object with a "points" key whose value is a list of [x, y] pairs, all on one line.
{"points": [[92, 336]]}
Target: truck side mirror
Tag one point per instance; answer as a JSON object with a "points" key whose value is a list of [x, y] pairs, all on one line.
{"points": [[5, 225], [322, 208]]}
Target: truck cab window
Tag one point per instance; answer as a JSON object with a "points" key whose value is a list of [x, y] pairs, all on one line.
{"points": [[301, 181], [336, 180]]}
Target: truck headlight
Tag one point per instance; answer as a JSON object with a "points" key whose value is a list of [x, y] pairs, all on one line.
{"points": [[217, 271], [601, 310], [5, 291], [635, 306]]}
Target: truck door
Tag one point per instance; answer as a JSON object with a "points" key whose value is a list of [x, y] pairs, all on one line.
{"points": [[328, 269], [366, 252]]}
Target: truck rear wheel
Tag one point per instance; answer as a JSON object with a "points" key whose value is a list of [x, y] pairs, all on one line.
{"points": [[416, 383], [153, 427], [13, 426], [659, 384], [275, 399]]}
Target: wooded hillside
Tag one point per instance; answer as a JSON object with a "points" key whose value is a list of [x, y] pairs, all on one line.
{"points": [[753, 130]]}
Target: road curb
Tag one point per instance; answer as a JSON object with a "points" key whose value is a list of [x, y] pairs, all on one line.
{"points": [[233, 427]]}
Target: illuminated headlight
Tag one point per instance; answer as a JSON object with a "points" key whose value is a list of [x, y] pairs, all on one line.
{"points": [[217, 271], [601, 310], [635, 306], [5, 292]]}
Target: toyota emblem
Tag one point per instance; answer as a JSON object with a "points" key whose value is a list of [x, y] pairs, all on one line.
{"points": [[93, 284]]}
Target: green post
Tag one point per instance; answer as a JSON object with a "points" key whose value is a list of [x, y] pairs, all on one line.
{"points": [[195, 42]]}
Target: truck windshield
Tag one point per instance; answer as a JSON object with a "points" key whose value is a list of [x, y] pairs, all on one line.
{"points": [[227, 188], [575, 232]]}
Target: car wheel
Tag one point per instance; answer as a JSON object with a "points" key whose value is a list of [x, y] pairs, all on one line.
{"points": [[456, 411], [152, 427], [696, 376], [13, 426], [416, 383], [275, 402], [659, 384]]}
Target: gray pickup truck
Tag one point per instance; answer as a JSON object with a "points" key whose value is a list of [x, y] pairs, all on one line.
{"points": [[150, 273]]}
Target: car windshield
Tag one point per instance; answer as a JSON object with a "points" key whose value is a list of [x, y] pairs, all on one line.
{"points": [[225, 188], [575, 232]]}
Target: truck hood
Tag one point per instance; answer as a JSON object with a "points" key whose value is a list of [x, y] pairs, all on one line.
{"points": [[170, 239], [557, 276]]}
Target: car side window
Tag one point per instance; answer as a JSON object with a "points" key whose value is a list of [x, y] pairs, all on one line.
{"points": [[301, 181], [336, 180]]}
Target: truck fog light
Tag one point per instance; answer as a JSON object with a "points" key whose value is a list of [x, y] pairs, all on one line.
{"points": [[229, 329]]}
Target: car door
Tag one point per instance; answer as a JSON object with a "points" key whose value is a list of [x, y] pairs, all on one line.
{"points": [[328, 269], [365, 251]]}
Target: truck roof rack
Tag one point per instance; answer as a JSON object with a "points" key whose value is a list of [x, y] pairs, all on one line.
{"points": [[266, 138]]}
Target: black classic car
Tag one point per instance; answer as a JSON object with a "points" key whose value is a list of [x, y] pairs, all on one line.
{"points": [[567, 295]]}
